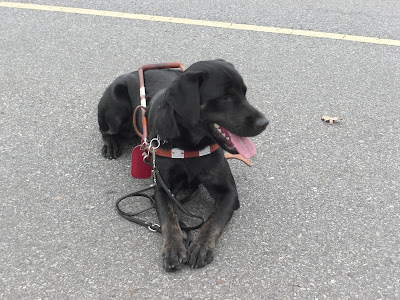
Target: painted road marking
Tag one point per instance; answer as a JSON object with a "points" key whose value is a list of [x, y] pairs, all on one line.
{"points": [[234, 26]]}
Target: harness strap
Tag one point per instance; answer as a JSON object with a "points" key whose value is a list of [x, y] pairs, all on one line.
{"points": [[142, 89]]}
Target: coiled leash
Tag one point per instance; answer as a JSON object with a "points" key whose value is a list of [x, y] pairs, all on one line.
{"points": [[154, 226], [148, 151], [157, 179]]}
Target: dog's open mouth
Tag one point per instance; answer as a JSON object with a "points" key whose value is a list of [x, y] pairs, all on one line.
{"points": [[232, 142]]}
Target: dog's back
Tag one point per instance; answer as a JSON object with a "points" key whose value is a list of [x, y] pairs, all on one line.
{"points": [[116, 106]]}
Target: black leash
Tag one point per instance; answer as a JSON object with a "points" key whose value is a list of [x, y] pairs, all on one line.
{"points": [[132, 216], [154, 226]]}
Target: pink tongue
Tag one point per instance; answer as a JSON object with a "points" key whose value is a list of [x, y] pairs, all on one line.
{"points": [[243, 145]]}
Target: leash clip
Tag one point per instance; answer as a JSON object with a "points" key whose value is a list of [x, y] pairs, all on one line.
{"points": [[154, 227], [153, 168], [148, 147], [153, 146]]}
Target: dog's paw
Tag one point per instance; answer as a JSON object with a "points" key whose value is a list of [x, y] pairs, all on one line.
{"points": [[200, 254], [111, 150], [174, 256]]}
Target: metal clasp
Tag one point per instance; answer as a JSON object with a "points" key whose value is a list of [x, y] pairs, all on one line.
{"points": [[155, 143], [152, 226], [148, 147], [152, 147]]}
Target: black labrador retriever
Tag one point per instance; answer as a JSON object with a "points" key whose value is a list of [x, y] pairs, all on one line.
{"points": [[192, 110]]}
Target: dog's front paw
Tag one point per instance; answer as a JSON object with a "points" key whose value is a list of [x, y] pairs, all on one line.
{"points": [[200, 254], [174, 255]]}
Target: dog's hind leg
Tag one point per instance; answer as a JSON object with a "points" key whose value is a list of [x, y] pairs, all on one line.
{"points": [[115, 119], [111, 148], [110, 132]]}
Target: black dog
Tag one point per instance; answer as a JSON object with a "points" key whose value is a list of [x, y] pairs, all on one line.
{"points": [[188, 110]]}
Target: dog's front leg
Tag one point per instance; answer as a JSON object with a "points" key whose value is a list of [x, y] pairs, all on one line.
{"points": [[201, 251], [173, 249]]}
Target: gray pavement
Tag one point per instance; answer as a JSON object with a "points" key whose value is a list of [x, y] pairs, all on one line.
{"points": [[320, 209]]}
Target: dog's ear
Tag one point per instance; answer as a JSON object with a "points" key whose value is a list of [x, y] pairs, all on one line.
{"points": [[164, 125], [184, 96]]}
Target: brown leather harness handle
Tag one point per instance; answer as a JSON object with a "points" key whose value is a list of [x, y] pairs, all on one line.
{"points": [[143, 92]]}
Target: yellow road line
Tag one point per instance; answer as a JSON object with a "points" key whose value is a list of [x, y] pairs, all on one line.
{"points": [[235, 26]]}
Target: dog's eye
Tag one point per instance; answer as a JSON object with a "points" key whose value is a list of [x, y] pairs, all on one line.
{"points": [[218, 104]]}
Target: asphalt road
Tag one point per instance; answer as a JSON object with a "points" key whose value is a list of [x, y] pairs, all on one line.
{"points": [[320, 209]]}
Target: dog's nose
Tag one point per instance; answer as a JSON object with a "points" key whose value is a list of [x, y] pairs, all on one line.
{"points": [[261, 123]]}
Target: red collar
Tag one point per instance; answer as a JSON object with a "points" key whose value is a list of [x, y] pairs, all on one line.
{"points": [[179, 153]]}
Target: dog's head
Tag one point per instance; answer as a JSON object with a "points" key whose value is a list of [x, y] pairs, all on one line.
{"points": [[210, 98]]}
